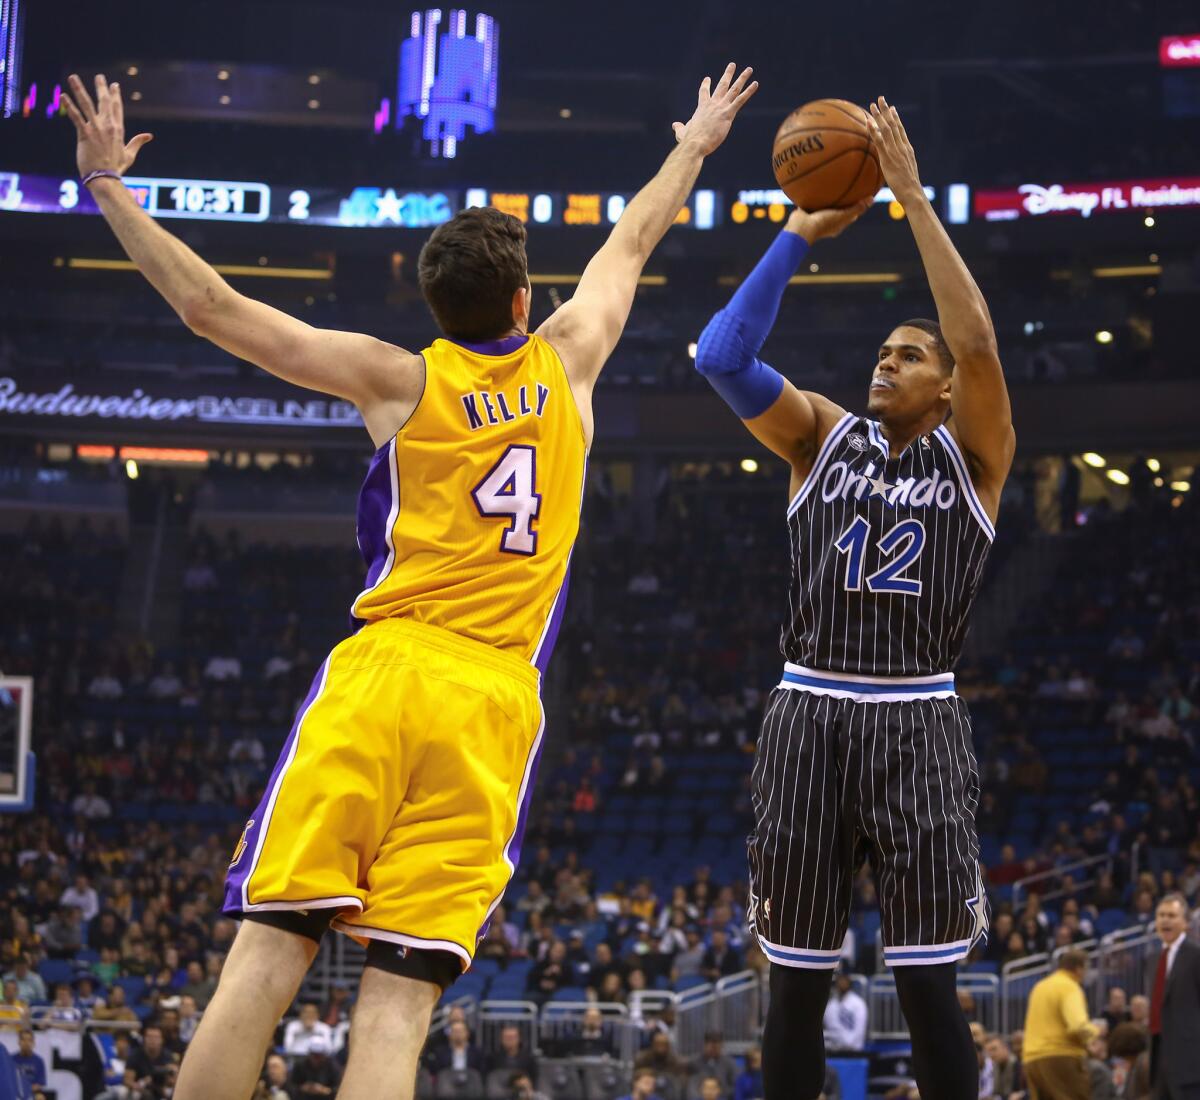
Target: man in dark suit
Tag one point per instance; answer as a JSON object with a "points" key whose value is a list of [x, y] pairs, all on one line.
{"points": [[1175, 1006]]}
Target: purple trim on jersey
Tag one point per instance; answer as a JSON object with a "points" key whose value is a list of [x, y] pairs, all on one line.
{"points": [[505, 346], [235, 879], [374, 507], [545, 650]]}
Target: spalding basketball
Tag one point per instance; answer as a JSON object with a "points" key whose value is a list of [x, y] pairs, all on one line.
{"points": [[824, 155]]}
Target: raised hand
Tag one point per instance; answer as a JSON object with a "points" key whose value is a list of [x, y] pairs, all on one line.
{"points": [[716, 109], [100, 128], [821, 224], [896, 156]]}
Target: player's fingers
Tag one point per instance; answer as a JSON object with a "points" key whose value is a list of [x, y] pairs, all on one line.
{"points": [[137, 141], [678, 129], [101, 92], [726, 78], [736, 87], [705, 85], [73, 114], [746, 93], [82, 100], [117, 106]]}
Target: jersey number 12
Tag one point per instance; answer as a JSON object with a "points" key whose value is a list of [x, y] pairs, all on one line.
{"points": [[906, 540]]}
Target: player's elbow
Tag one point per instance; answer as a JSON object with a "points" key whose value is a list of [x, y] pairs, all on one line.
{"points": [[202, 310], [719, 349]]}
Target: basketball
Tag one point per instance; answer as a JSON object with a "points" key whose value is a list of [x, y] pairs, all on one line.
{"points": [[823, 155]]}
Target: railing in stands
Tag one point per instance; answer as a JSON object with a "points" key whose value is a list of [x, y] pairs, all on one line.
{"points": [[886, 1021], [1023, 885]]}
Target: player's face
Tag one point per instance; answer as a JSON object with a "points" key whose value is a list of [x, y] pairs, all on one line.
{"points": [[908, 379]]}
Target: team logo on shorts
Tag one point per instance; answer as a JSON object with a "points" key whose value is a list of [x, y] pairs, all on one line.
{"points": [[241, 844], [857, 442]]}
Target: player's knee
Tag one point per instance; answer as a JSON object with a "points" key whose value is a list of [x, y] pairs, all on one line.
{"points": [[928, 993]]}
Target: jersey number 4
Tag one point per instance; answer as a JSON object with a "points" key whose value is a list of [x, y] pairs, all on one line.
{"points": [[508, 492], [906, 540]]}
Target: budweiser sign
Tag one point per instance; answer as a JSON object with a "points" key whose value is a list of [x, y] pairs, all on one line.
{"points": [[1086, 199], [1179, 51]]}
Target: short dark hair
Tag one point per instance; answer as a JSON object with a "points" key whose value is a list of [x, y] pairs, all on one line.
{"points": [[469, 270], [1073, 959], [933, 329], [1127, 1041]]}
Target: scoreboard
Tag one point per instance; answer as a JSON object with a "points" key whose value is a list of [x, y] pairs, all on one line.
{"points": [[369, 207]]}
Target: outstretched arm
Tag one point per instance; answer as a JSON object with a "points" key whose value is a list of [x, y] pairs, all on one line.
{"points": [[384, 381], [586, 329], [786, 420], [979, 405]]}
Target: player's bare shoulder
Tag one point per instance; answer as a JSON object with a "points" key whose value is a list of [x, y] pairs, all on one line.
{"points": [[392, 386], [826, 415]]}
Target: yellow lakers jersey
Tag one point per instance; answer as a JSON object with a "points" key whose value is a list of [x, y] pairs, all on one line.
{"points": [[468, 514]]}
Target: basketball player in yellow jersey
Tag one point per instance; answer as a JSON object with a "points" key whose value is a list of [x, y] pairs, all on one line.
{"points": [[397, 808]]}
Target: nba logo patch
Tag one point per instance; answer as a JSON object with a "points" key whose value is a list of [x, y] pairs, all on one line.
{"points": [[857, 442], [241, 844]]}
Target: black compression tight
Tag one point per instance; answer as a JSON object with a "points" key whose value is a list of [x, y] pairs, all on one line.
{"points": [[944, 1060], [793, 1047]]}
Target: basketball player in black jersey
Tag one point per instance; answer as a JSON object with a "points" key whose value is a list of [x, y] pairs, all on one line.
{"points": [[865, 749]]}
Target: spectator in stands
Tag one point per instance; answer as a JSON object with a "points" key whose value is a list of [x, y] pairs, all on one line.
{"points": [[336, 1009], [274, 1083], [1128, 1050], [713, 1064], [749, 1085], [521, 1088], [30, 986], [645, 1080], [1139, 1011], [152, 1060], [997, 943], [64, 1012], [458, 1053], [199, 985], [1116, 1009], [13, 1010], [315, 1074], [82, 895], [689, 962], [113, 1008], [1057, 1031], [1004, 1068], [660, 1058], [1100, 1078], [602, 964], [550, 975], [720, 960], [710, 1089], [512, 1056], [301, 1032], [105, 685], [591, 1041], [29, 1064], [189, 1018], [535, 899], [845, 1015], [61, 934], [105, 932]]}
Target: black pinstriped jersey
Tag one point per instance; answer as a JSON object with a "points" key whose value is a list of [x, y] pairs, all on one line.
{"points": [[887, 555]]}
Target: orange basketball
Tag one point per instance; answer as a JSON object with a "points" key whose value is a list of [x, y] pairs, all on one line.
{"points": [[824, 155]]}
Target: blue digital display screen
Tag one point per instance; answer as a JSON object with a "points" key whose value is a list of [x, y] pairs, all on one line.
{"points": [[448, 77]]}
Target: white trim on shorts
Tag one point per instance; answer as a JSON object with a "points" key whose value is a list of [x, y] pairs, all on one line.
{"points": [[368, 933]]}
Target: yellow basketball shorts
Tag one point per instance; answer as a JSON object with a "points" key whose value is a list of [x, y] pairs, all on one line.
{"points": [[402, 792]]}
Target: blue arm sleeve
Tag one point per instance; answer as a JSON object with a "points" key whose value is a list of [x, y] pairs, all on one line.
{"points": [[727, 351]]}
